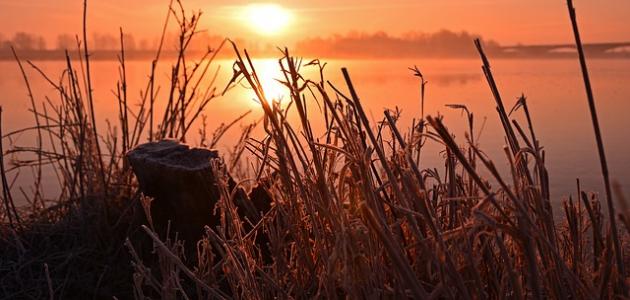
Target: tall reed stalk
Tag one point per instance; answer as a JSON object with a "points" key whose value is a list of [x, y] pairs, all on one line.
{"points": [[600, 150]]}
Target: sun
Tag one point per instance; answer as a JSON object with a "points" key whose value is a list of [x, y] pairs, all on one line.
{"points": [[268, 19]]}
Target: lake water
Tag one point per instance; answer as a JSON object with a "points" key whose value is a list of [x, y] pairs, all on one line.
{"points": [[554, 90]]}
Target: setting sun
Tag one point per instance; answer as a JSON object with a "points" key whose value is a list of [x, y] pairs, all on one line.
{"points": [[267, 19]]}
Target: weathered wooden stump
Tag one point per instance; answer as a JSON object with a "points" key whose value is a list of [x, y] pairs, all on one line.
{"points": [[183, 184], [180, 179]]}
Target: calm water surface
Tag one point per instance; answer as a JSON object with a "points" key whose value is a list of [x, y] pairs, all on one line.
{"points": [[553, 88]]}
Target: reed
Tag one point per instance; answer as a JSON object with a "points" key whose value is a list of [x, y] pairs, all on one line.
{"points": [[600, 148], [353, 213]]}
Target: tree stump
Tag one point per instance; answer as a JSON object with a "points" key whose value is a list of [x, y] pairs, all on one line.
{"points": [[182, 184], [184, 189]]}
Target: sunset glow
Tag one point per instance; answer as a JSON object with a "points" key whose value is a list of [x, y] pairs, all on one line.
{"points": [[298, 149], [267, 19]]}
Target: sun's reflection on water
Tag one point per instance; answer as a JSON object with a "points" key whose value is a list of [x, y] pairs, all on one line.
{"points": [[270, 76]]}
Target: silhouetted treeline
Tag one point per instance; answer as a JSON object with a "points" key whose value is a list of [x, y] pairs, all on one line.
{"points": [[353, 45], [29, 42], [24, 41], [107, 46], [382, 45]]}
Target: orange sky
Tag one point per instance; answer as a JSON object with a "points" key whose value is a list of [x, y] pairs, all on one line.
{"points": [[506, 21]]}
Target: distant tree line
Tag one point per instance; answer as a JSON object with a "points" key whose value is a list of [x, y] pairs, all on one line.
{"points": [[355, 44], [24, 41], [33, 42], [443, 43], [107, 46]]}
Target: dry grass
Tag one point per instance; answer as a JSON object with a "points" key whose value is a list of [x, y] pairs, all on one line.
{"points": [[353, 213]]}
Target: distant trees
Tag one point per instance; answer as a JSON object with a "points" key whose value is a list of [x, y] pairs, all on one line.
{"points": [[40, 43], [29, 42], [65, 41], [24, 41], [103, 42], [129, 42], [443, 43]]}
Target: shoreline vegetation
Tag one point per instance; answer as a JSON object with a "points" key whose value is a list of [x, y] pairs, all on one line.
{"points": [[147, 55], [441, 45], [353, 214]]}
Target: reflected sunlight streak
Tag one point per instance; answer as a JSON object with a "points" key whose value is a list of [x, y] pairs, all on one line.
{"points": [[269, 73]]}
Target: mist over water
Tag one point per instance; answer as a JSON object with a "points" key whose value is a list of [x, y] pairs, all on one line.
{"points": [[553, 88]]}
